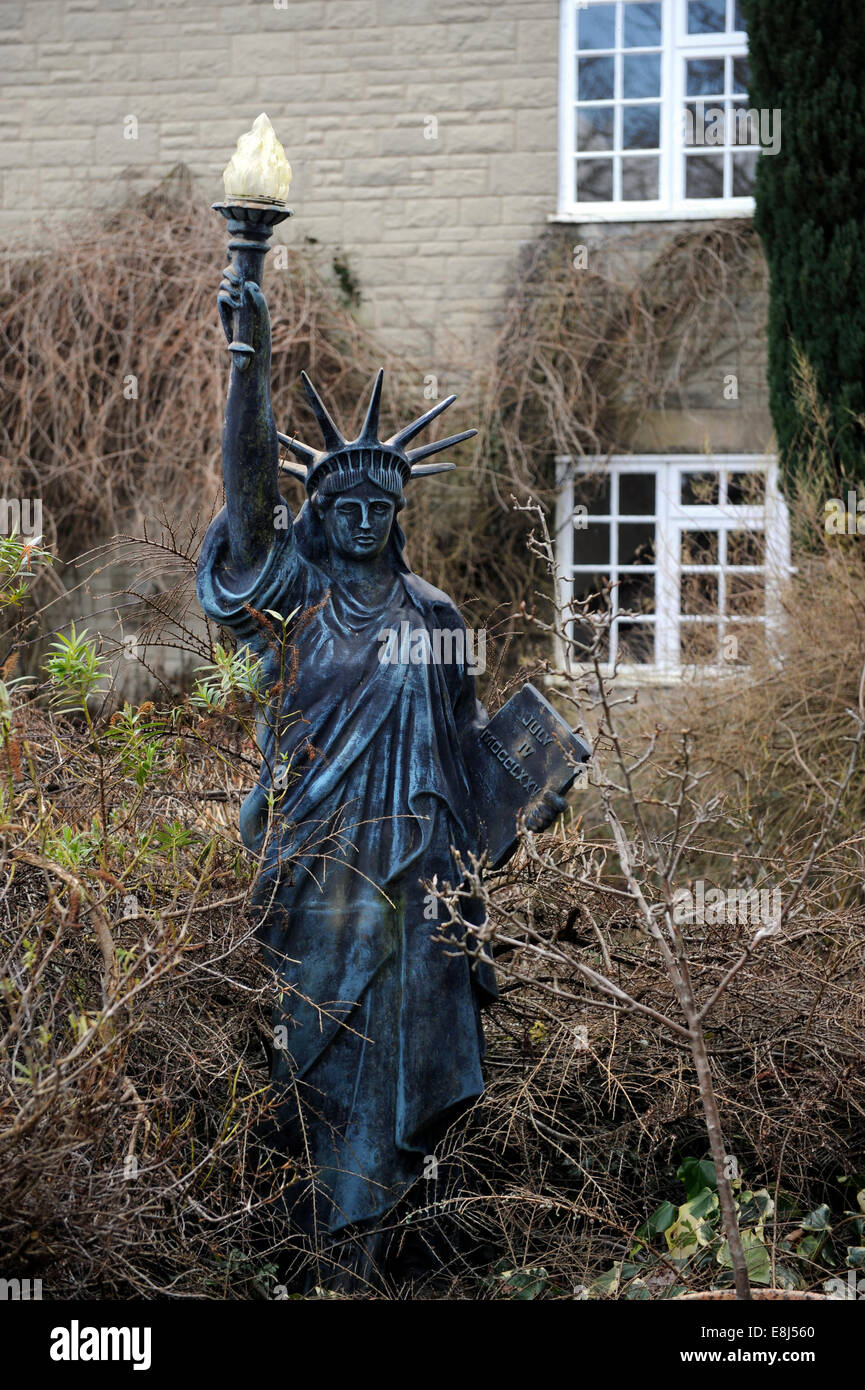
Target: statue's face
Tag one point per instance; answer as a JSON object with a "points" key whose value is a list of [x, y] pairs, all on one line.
{"points": [[357, 523]]}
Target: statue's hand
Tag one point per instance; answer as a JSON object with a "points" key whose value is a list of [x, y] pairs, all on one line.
{"points": [[549, 809], [243, 312]]}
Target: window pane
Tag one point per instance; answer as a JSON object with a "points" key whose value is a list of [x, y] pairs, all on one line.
{"points": [[639, 179], [704, 77], [746, 595], [593, 493], [698, 644], [594, 127], [699, 489], [739, 19], [641, 127], [744, 173], [636, 643], [745, 548], [636, 593], [699, 547], [591, 586], [592, 546], [741, 75], [594, 180], [699, 594], [595, 79], [746, 489], [704, 176], [707, 16], [637, 494], [637, 543], [744, 125], [642, 26], [597, 27], [584, 639], [704, 124], [641, 74]]}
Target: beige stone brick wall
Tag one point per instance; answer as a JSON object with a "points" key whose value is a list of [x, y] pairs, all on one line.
{"points": [[431, 227]]}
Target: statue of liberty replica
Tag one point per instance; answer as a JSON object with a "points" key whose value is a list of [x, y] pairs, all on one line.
{"points": [[379, 775]]}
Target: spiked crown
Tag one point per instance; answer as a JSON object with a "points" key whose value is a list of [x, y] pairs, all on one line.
{"points": [[344, 463]]}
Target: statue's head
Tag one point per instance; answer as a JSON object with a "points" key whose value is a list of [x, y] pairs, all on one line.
{"points": [[357, 522], [355, 487]]}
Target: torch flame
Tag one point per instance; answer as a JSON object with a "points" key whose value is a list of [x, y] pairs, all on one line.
{"points": [[258, 168]]}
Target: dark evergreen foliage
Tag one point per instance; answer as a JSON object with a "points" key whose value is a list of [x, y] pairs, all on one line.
{"points": [[809, 62]]}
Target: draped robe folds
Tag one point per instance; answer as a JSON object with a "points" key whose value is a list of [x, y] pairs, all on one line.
{"points": [[382, 1026]]}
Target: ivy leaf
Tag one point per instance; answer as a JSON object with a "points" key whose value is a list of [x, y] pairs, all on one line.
{"points": [[756, 1258], [659, 1221], [817, 1220], [697, 1173]]}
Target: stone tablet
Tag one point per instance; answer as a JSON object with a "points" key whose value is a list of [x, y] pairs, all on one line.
{"points": [[529, 750]]}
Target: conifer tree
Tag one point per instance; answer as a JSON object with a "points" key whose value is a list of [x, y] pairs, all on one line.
{"points": [[808, 61]]}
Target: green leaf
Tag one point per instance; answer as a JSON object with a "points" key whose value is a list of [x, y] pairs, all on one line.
{"points": [[817, 1220], [787, 1278], [755, 1207], [756, 1258], [660, 1219], [689, 1232], [523, 1283], [638, 1291], [856, 1256], [697, 1173]]}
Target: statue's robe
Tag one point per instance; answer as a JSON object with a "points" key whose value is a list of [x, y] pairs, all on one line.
{"points": [[381, 1023]]}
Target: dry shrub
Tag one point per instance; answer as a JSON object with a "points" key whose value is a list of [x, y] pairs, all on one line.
{"points": [[584, 351], [134, 295]]}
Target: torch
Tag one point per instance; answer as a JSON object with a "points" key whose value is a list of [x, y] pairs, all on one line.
{"points": [[256, 180]]}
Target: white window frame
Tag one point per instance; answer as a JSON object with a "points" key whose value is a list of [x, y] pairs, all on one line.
{"points": [[677, 46], [672, 517]]}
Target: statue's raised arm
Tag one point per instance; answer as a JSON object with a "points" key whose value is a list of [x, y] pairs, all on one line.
{"points": [[250, 451]]}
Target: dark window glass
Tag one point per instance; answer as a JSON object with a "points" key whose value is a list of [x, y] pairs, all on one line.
{"points": [[636, 642], [596, 27], [594, 128], [594, 180], [641, 75], [704, 176], [745, 548], [746, 489], [698, 594], [592, 546], [595, 79], [636, 593], [642, 26], [592, 491], [639, 179], [746, 595], [636, 543], [641, 127], [699, 547], [707, 16], [637, 494], [704, 77], [699, 489]]}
